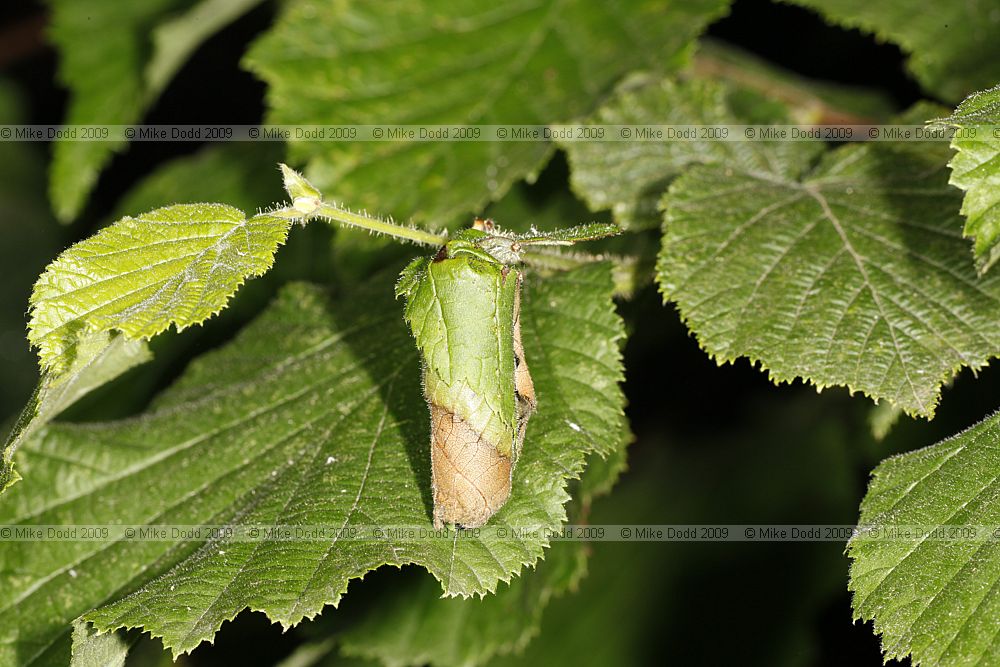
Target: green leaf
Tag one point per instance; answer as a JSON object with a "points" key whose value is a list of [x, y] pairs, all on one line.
{"points": [[881, 419], [952, 50], [852, 274], [529, 61], [413, 625], [935, 599], [569, 235], [91, 649], [320, 653], [100, 357], [312, 415], [176, 265], [104, 52], [100, 48], [177, 38], [629, 177], [976, 169]]}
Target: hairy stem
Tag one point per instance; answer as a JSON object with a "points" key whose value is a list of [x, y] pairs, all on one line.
{"points": [[334, 213], [412, 234]]}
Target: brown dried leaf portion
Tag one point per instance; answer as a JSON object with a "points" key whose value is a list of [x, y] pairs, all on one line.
{"points": [[470, 478]]}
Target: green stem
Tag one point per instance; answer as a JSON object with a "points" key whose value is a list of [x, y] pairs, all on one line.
{"points": [[345, 217], [332, 213]]}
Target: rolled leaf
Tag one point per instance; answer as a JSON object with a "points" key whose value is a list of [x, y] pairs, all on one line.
{"points": [[463, 307]]}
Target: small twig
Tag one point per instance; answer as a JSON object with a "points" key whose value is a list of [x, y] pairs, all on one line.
{"points": [[710, 62]]}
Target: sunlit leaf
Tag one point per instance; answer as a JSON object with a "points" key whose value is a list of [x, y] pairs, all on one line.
{"points": [[176, 265]]}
